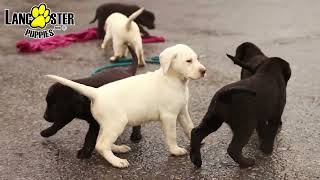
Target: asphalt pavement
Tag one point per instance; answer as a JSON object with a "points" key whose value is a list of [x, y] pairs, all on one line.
{"points": [[289, 29]]}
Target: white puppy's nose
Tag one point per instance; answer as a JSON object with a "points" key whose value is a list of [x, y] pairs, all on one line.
{"points": [[203, 71]]}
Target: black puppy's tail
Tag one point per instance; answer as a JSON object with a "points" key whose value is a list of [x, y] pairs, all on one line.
{"points": [[242, 64], [226, 95], [95, 18], [134, 66]]}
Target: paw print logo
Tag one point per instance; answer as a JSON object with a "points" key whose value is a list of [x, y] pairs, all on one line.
{"points": [[41, 16]]}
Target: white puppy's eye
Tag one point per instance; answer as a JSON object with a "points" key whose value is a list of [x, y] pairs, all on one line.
{"points": [[189, 61]]}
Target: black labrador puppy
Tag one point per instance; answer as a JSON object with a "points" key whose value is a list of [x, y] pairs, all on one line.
{"points": [[145, 19], [256, 102], [250, 54], [64, 104]]}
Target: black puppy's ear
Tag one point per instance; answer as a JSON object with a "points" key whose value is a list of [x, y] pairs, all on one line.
{"points": [[230, 57], [242, 64], [286, 71]]}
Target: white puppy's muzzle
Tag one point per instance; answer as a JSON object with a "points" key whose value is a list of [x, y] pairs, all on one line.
{"points": [[202, 70]]}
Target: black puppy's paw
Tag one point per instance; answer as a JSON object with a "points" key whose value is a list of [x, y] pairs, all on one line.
{"points": [[46, 133], [136, 137], [84, 154], [196, 160], [247, 162]]}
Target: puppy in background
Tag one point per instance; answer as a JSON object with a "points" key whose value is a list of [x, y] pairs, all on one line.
{"points": [[65, 104], [146, 18], [123, 30], [161, 95], [256, 102]]}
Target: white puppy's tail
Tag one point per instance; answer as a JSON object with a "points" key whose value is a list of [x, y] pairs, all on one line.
{"points": [[87, 91], [132, 17]]}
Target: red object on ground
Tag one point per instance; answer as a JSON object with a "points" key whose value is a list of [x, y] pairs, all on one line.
{"points": [[152, 39], [56, 41]]}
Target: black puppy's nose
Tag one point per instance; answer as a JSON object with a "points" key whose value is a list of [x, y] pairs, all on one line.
{"points": [[152, 26]]}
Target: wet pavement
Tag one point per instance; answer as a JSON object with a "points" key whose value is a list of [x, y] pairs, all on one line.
{"points": [[288, 29]]}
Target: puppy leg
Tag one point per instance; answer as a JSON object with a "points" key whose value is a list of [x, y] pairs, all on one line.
{"points": [[123, 51], [261, 131], [106, 40], [240, 138], [119, 49], [169, 125], [101, 25], [209, 124], [126, 52], [136, 134], [120, 148], [110, 130], [139, 52], [90, 141], [269, 136], [54, 128], [186, 122], [103, 146]]}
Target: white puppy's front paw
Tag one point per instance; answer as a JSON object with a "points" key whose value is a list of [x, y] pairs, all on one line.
{"points": [[120, 163], [103, 46], [178, 151], [120, 148]]}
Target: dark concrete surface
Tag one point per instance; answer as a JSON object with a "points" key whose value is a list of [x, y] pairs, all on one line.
{"points": [[289, 29]]}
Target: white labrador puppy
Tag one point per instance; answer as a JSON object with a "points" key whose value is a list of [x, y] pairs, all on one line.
{"points": [[161, 95], [123, 30]]}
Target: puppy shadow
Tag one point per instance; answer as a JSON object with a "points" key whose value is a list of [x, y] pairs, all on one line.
{"points": [[52, 147], [57, 151], [267, 166], [64, 160]]}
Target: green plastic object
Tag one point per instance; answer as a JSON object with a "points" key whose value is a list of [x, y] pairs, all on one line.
{"points": [[121, 62]]}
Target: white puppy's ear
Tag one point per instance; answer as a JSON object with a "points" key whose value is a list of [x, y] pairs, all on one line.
{"points": [[166, 58]]}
